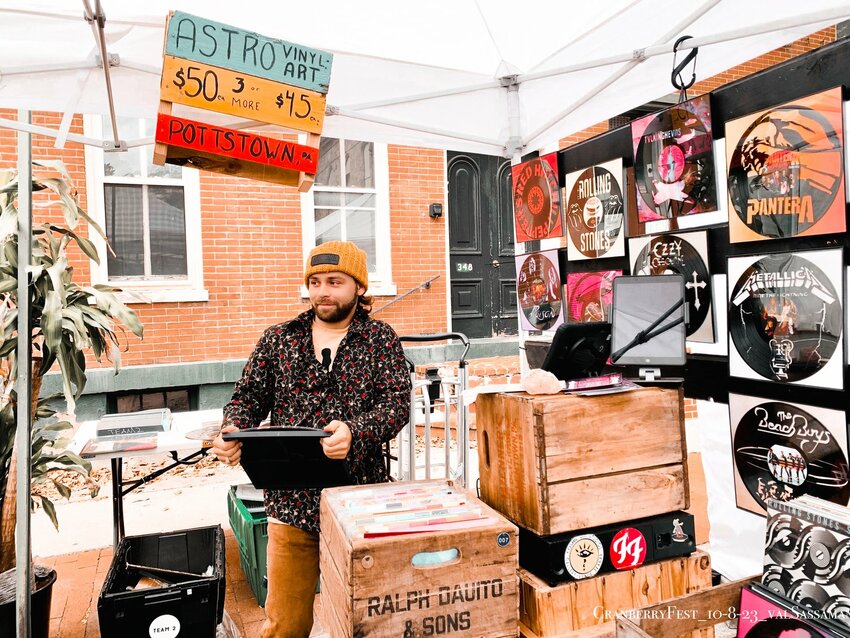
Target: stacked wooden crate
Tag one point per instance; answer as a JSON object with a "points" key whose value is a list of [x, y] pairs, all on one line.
{"points": [[561, 463]]}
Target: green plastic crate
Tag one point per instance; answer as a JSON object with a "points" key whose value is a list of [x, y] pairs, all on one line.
{"points": [[252, 534]]}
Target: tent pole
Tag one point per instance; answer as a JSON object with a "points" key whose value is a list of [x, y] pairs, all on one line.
{"points": [[663, 48], [97, 29], [23, 435], [665, 38]]}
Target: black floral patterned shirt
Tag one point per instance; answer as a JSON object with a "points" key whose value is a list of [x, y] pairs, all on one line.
{"points": [[368, 387]]}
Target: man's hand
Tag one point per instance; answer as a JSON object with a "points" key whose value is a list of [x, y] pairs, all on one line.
{"points": [[336, 445], [227, 451]]}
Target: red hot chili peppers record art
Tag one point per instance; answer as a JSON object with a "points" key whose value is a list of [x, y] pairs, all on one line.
{"points": [[537, 198], [785, 170]]}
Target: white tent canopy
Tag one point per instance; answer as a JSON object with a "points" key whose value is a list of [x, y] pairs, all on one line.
{"points": [[487, 76]]}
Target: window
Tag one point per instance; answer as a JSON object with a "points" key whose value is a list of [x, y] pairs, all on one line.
{"points": [[175, 399], [151, 215], [349, 201]]}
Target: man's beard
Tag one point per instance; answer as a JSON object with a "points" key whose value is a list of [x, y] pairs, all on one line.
{"points": [[336, 314]]}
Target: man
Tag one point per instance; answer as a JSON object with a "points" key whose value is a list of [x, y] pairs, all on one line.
{"points": [[332, 367]]}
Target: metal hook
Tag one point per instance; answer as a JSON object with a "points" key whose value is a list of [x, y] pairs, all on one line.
{"points": [[676, 75]]}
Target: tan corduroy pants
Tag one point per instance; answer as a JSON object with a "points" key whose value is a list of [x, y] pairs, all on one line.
{"points": [[293, 571]]}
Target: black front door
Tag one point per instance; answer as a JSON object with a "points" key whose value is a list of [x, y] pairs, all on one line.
{"points": [[481, 245]]}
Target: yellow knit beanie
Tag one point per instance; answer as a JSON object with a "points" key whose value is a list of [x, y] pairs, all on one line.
{"points": [[338, 256]]}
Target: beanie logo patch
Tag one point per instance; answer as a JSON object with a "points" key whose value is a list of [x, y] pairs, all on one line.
{"points": [[324, 258]]}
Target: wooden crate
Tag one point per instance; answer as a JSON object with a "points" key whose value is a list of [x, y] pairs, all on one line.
{"points": [[587, 608], [558, 463], [370, 587], [685, 614]]}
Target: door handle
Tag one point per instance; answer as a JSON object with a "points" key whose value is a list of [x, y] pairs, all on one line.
{"points": [[496, 263]]}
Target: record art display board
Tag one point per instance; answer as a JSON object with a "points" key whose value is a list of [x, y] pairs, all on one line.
{"points": [[595, 212], [537, 198], [538, 286], [674, 166], [786, 318], [786, 177], [782, 450], [684, 254], [589, 295]]}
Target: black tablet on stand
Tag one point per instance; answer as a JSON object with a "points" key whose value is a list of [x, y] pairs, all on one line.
{"points": [[288, 458]]}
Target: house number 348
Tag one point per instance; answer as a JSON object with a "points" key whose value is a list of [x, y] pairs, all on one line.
{"points": [[463, 267]]}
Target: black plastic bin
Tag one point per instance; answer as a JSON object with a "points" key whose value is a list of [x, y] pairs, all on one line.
{"points": [[189, 604]]}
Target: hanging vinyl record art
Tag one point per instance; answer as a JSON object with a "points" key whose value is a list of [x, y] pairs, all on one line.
{"points": [[684, 254], [589, 295], [537, 198], [674, 165], [786, 318], [784, 450], [595, 212], [785, 170], [538, 286]]}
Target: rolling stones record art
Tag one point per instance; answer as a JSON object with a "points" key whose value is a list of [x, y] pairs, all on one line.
{"points": [[589, 295], [674, 163], [539, 290], [784, 450], [595, 212], [786, 318], [785, 170], [684, 254], [537, 198], [806, 556]]}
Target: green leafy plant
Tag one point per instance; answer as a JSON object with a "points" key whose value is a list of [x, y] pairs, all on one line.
{"points": [[67, 320]]}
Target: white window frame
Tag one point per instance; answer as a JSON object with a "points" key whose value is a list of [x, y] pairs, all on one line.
{"points": [[159, 290], [380, 282]]}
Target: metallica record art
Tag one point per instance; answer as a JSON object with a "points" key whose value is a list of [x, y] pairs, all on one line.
{"points": [[784, 450], [785, 170], [595, 212], [786, 318], [674, 164], [684, 254], [589, 295], [538, 286], [537, 198]]}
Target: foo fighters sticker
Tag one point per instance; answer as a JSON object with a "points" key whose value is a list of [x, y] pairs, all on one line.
{"points": [[628, 549]]}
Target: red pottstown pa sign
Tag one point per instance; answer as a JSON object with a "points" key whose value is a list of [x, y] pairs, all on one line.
{"points": [[242, 145]]}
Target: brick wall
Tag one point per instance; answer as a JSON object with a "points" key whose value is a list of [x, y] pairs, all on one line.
{"points": [[252, 255]]}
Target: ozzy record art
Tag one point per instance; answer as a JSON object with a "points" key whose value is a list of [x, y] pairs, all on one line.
{"points": [[589, 295], [674, 165], [784, 450], [684, 254], [537, 198], [538, 286], [786, 318], [595, 210], [785, 170]]}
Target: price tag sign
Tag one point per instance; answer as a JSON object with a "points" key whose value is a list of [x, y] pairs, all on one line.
{"points": [[207, 87]]}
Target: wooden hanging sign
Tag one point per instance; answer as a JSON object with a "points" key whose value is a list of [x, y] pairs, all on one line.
{"points": [[239, 145], [216, 89], [226, 47]]}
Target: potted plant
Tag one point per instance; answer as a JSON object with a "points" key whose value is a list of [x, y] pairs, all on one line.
{"points": [[67, 320]]}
